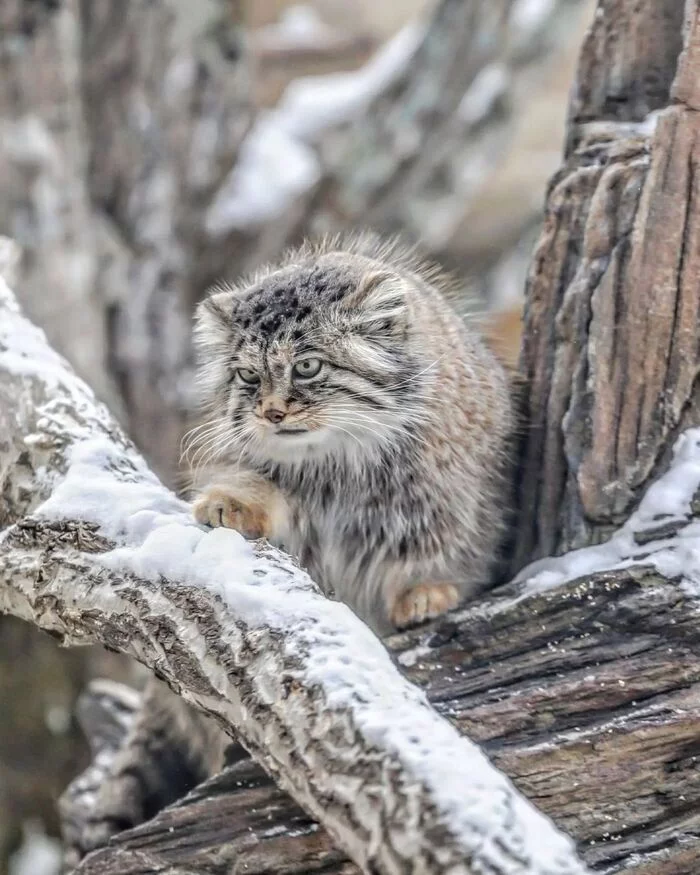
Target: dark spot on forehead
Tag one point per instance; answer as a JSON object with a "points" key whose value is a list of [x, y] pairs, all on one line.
{"points": [[292, 296], [270, 323]]}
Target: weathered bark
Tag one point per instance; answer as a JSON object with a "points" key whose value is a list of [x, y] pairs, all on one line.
{"points": [[164, 121], [612, 334], [92, 550], [44, 198], [588, 696]]}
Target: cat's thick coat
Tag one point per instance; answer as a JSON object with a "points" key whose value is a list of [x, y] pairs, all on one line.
{"points": [[389, 485], [356, 421]]}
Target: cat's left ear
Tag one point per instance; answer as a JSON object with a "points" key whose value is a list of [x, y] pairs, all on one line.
{"points": [[380, 305], [215, 319]]}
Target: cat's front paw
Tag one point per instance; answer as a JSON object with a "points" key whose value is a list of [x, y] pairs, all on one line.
{"points": [[217, 507], [422, 602]]}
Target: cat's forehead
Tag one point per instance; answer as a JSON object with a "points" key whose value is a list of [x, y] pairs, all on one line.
{"points": [[293, 296]]}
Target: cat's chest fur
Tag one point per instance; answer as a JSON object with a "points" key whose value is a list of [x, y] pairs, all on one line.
{"points": [[348, 525]]}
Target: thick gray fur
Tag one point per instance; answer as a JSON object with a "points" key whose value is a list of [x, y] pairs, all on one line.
{"points": [[399, 478]]}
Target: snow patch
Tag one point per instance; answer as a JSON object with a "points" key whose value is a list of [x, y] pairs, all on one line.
{"points": [[272, 171], [528, 16], [489, 85], [278, 163], [312, 104], [25, 352], [298, 26], [38, 854], [668, 500]]}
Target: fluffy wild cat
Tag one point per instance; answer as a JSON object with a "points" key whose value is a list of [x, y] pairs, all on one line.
{"points": [[354, 420]]}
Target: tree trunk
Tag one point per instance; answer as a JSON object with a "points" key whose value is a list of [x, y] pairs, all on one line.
{"points": [[612, 322], [116, 132], [96, 549]]}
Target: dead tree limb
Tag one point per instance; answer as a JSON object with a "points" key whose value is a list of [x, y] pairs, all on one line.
{"points": [[94, 548], [587, 695]]}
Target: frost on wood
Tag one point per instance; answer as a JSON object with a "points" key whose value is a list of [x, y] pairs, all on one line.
{"points": [[98, 550], [277, 164], [662, 532]]}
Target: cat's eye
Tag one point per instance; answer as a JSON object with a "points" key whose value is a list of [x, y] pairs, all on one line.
{"points": [[306, 368], [248, 376]]}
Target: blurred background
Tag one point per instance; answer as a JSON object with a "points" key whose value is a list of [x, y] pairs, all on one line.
{"points": [[149, 147]]}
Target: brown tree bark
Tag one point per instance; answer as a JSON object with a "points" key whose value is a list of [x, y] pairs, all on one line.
{"points": [[612, 322], [588, 696]]}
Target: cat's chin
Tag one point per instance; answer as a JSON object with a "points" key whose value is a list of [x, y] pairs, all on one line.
{"points": [[287, 445]]}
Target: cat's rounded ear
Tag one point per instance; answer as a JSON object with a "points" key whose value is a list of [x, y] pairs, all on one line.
{"points": [[215, 318], [379, 304]]}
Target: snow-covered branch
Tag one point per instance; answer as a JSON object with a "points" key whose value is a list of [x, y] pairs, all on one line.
{"points": [[94, 548]]}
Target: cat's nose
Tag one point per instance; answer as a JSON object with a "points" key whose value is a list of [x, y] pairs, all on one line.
{"points": [[274, 409], [274, 415]]}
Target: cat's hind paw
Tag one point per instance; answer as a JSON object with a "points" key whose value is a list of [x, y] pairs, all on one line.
{"points": [[423, 602]]}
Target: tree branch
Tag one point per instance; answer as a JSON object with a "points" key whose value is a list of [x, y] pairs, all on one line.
{"points": [[96, 549], [587, 694]]}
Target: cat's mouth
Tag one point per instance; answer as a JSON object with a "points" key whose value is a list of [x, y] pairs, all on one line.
{"points": [[291, 430]]}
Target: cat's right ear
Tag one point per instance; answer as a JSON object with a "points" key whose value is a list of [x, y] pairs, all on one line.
{"points": [[215, 319]]}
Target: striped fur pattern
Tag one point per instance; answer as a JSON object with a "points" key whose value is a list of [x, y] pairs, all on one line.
{"points": [[355, 420]]}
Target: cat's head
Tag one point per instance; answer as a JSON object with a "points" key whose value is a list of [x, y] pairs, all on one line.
{"points": [[312, 358]]}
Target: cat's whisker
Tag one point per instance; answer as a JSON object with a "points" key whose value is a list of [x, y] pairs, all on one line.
{"points": [[213, 448], [417, 419], [197, 441], [415, 377], [334, 425]]}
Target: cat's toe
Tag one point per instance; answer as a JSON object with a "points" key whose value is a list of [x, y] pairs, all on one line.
{"points": [[423, 602], [218, 508]]}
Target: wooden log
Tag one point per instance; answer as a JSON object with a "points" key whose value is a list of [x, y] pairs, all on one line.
{"points": [[588, 696]]}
